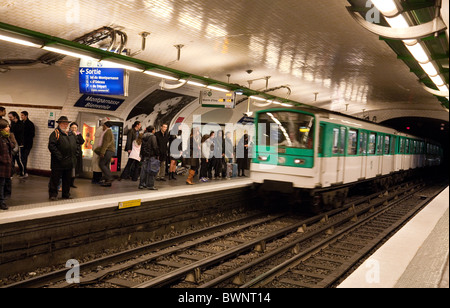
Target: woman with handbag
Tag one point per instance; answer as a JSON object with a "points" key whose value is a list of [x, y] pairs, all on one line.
{"points": [[149, 159]]}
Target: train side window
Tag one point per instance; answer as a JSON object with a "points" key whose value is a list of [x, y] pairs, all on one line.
{"points": [[402, 146], [379, 144], [321, 138], [407, 146], [372, 142], [335, 140], [352, 142], [342, 140], [363, 143], [393, 143], [387, 140]]}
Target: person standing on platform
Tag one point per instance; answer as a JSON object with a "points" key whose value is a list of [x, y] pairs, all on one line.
{"points": [[28, 136], [106, 152], [6, 147], [80, 141], [63, 149], [96, 171], [17, 128], [132, 135], [193, 157], [149, 158], [163, 140], [176, 151], [242, 155]]}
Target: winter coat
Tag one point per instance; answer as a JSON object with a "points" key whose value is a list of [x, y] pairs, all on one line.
{"points": [[6, 146], [163, 142], [63, 149], [149, 147]]}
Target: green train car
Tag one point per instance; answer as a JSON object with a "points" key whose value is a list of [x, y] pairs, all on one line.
{"points": [[319, 155]]}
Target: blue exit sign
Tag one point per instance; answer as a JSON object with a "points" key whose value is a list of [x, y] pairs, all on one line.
{"points": [[100, 80]]}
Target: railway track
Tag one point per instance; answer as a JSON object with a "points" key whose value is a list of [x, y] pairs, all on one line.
{"points": [[274, 250]]}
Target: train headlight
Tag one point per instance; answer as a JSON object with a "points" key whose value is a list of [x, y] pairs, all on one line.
{"points": [[281, 160], [263, 158], [299, 161]]}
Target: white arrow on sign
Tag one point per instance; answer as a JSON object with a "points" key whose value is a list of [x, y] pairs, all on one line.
{"points": [[82, 71]]}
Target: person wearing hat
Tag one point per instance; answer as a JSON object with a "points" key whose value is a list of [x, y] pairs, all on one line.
{"points": [[63, 149]]}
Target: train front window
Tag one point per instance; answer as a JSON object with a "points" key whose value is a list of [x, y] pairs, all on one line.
{"points": [[289, 129]]}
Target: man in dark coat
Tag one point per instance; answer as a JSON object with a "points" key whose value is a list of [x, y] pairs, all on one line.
{"points": [[63, 149], [17, 128], [28, 136], [163, 144]]}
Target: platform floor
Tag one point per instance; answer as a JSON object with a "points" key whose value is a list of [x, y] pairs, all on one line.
{"points": [[417, 256], [30, 200]]}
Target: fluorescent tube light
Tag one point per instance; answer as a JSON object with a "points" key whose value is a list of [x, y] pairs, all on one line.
{"points": [[437, 80], [258, 98], [15, 39], [67, 52], [429, 68], [121, 65], [218, 89], [397, 22], [418, 52], [194, 83], [163, 75], [443, 88], [386, 7]]}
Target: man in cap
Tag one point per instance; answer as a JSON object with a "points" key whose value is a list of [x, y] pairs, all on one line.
{"points": [[63, 149]]}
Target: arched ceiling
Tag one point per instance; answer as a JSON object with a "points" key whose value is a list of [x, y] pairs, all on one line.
{"points": [[313, 47]]}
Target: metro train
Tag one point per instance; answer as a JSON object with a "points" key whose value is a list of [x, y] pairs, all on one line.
{"points": [[318, 155]]}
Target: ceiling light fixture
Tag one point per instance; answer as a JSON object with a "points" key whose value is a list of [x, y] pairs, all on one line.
{"points": [[386, 7], [128, 66], [161, 74], [71, 52], [218, 88], [20, 39]]}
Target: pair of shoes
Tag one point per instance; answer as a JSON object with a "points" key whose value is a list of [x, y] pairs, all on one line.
{"points": [[53, 198], [152, 188], [67, 198], [106, 184], [73, 186], [141, 187], [204, 180], [4, 207]]}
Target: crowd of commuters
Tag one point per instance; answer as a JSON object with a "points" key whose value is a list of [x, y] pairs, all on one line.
{"points": [[151, 155]]}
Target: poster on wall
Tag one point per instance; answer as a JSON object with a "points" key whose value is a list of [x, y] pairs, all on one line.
{"points": [[157, 108]]}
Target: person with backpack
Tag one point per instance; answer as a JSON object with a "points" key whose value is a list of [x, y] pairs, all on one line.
{"points": [[149, 159]]}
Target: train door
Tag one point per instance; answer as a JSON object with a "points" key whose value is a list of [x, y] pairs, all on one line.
{"points": [[341, 134], [363, 153], [379, 155], [393, 143]]}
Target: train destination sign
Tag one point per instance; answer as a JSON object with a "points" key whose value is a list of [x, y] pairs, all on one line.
{"points": [[215, 99], [95, 78]]}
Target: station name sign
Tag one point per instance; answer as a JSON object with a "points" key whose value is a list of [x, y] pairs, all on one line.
{"points": [[97, 78], [216, 99], [99, 102]]}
